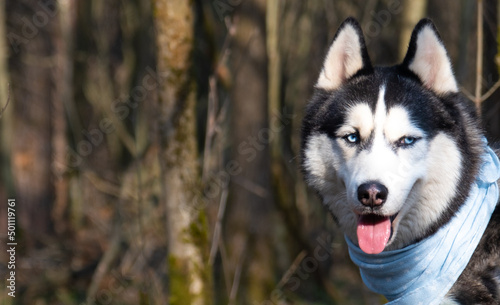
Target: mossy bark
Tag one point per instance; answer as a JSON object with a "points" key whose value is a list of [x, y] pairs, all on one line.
{"points": [[188, 270]]}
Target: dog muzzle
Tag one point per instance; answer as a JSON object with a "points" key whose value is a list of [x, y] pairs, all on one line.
{"points": [[424, 272]]}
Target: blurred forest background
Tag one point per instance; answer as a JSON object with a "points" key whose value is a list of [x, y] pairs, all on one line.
{"points": [[152, 147]]}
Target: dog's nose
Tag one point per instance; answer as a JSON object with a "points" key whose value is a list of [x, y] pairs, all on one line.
{"points": [[372, 194]]}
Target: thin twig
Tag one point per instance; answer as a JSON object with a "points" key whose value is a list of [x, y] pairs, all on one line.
{"points": [[211, 124], [8, 100], [218, 226], [250, 186], [104, 265], [237, 276], [479, 58], [491, 91], [291, 270], [225, 263], [485, 96], [106, 187], [478, 99], [467, 94]]}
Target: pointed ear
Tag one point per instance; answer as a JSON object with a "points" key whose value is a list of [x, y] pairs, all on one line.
{"points": [[427, 58], [347, 56]]}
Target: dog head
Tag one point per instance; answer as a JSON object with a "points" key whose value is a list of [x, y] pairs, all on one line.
{"points": [[386, 148]]}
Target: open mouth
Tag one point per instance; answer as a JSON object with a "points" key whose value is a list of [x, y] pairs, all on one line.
{"points": [[374, 232]]}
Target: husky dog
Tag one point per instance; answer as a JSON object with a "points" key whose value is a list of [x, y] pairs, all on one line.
{"points": [[398, 157]]}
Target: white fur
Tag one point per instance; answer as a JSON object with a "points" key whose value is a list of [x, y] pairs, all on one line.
{"points": [[399, 123], [397, 170], [343, 60], [322, 160], [359, 116], [443, 167], [448, 301], [431, 63]]}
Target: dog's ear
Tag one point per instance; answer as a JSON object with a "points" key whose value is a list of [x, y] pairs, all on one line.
{"points": [[428, 59], [346, 56]]}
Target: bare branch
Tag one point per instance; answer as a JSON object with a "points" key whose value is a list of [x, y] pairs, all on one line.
{"points": [[218, 226], [479, 58], [8, 101], [491, 91], [467, 94], [237, 276], [291, 270], [104, 265]]}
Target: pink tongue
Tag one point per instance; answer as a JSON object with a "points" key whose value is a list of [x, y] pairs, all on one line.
{"points": [[373, 233]]}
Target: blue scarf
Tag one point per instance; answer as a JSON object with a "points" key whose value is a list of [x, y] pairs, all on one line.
{"points": [[424, 272]]}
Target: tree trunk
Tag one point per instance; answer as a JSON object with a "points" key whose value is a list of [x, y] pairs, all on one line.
{"points": [[32, 85], [491, 67], [413, 11], [188, 270], [6, 186], [63, 95], [465, 42], [490, 71], [250, 208]]}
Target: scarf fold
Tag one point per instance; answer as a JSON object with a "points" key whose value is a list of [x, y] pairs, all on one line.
{"points": [[424, 272]]}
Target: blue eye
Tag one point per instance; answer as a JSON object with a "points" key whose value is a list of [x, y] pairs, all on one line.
{"points": [[352, 138], [407, 141]]}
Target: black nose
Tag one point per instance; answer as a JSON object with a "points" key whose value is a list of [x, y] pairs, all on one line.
{"points": [[372, 194]]}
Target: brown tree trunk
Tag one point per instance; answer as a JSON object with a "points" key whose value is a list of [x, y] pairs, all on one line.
{"points": [[250, 208], [188, 270], [63, 95], [413, 11], [491, 67], [6, 186], [32, 85]]}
